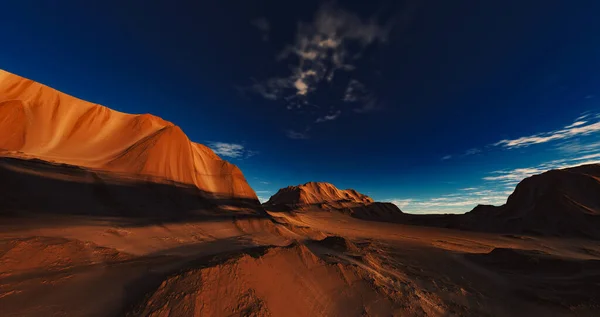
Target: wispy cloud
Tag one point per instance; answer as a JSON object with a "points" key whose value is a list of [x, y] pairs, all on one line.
{"points": [[494, 190], [297, 135], [330, 117], [263, 26], [574, 138], [401, 203], [451, 203], [578, 128], [331, 43], [262, 199], [578, 146], [495, 186], [357, 93], [514, 176], [472, 151], [231, 150], [354, 91], [322, 47]]}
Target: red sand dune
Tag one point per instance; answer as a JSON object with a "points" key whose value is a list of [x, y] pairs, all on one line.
{"points": [[41, 122]]}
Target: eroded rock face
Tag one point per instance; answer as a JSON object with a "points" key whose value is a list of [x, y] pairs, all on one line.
{"points": [[325, 196], [559, 202], [317, 193], [281, 281], [40, 122]]}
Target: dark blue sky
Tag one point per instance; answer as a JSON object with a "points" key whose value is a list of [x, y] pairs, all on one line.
{"points": [[405, 101]]}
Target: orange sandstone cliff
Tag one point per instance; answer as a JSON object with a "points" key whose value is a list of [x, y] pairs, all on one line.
{"points": [[40, 122]]}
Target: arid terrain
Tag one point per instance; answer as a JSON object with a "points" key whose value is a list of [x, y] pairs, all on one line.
{"points": [[110, 214]]}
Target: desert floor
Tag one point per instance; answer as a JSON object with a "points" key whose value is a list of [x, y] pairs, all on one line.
{"points": [[85, 266]]}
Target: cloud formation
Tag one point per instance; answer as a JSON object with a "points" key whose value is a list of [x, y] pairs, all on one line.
{"points": [[472, 151], [451, 203], [584, 126], [321, 48], [354, 91], [514, 176], [231, 150], [330, 117], [331, 43], [295, 135], [579, 146], [576, 129]]}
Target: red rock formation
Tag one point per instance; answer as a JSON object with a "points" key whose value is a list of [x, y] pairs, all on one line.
{"points": [[326, 196], [38, 121]]}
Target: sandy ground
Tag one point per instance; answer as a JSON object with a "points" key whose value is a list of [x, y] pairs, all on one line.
{"points": [[82, 242], [75, 266]]}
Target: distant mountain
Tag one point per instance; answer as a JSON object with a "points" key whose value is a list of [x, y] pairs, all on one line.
{"points": [[326, 197], [317, 193], [39, 122], [558, 202]]}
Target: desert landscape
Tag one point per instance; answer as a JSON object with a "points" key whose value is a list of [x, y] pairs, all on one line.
{"points": [[111, 214]]}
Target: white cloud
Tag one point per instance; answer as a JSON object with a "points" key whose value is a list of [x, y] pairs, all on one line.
{"points": [[575, 124], [497, 185], [577, 146], [330, 117], [297, 135], [322, 45], [330, 43], [447, 157], [472, 151], [577, 128], [450, 203], [231, 150], [401, 203], [514, 176]]}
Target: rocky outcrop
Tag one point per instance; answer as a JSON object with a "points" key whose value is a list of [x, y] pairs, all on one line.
{"points": [[39, 122]]}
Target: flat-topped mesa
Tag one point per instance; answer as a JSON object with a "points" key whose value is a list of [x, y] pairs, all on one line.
{"points": [[313, 193], [40, 122]]}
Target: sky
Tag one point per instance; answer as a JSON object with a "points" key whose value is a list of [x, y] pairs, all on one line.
{"points": [[436, 106]]}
